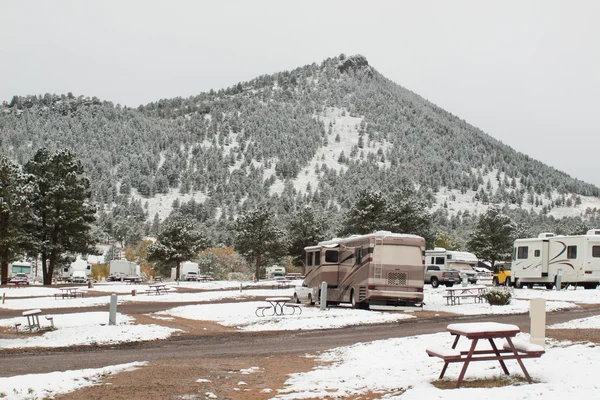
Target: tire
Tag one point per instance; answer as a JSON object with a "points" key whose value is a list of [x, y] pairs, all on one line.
{"points": [[518, 284], [494, 281], [434, 282], [310, 300], [549, 286], [508, 282], [530, 285], [449, 284], [296, 299], [590, 285], [353, 300]]}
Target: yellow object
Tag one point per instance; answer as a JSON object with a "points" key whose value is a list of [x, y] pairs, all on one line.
{"points": [[502, 273]]}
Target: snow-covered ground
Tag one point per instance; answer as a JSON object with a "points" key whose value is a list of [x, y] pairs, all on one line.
{"points": [[401, 364], [241, 315], [395, 365], [44, 386], [80, 329]]}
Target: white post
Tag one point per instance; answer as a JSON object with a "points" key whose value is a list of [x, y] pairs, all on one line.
{"points": [[537, 314], [112, 314], [3, 295], [240, 287], [323, 299]]}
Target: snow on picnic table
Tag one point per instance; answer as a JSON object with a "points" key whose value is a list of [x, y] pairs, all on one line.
{"points": [[242, 316], [80, 329], [394, 365], [43, 386]]}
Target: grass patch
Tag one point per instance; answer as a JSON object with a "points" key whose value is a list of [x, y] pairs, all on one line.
{"points": [[483, 383]]}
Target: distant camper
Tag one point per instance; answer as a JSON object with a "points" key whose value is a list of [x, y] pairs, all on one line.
{"points": [[21, 267], [381, 268], [538, 261], [450, 259]]}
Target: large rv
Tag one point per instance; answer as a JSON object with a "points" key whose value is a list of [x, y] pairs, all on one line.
{"points": [[80, 264], [539, 260], [381, 268], [450, 259], [21, 267]]}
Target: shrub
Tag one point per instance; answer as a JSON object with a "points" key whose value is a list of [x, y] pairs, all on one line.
{"points": [[498, 296]]}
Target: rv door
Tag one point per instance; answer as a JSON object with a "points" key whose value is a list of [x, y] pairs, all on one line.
{"points": [[545, 255]]}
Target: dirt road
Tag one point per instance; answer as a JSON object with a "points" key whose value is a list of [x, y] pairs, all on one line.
{"points": [[231, 344]]}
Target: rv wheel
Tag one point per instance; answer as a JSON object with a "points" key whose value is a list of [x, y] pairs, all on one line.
{"points": [[353, 299], [549, 286]]}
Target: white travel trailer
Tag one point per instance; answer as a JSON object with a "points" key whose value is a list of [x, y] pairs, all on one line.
{"points": [[462, 261], [382, 268], [187, 267], [539, 260], [124, 268]]}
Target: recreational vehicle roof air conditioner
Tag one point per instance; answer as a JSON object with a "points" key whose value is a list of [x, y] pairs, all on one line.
{"points": [[593, 232], [544, 235]]}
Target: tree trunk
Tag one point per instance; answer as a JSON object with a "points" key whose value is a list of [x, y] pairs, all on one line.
{"points": [[4, 273], [46, 278], [177, 270], [258, 262]]}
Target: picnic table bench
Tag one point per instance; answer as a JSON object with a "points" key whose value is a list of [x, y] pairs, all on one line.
{"points": [[455, 294], [510, 350], [277, 305], [17, 283]]}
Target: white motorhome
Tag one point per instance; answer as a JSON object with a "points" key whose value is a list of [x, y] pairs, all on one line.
{"points": [[80, 265], [21, 267], [275, 271], [382, 268], [539, 260], [462, 261]]}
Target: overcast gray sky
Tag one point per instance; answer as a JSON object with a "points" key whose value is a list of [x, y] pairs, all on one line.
{"points": [[525, 72]]}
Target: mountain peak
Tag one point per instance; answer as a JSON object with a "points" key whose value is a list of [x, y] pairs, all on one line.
{"points": [[355, 63]]}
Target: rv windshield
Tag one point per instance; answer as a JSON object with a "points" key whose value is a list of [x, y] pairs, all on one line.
{"points": [[25, 269], [391, 254]]}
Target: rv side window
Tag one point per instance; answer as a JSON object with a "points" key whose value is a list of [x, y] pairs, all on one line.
{"points": [[571, 251], [357, 256], [309, 259], [433, 268], [66, 269], [439, 261], [522, 252], [331, 256], [318, 258], [596, 251], [536, 253]]}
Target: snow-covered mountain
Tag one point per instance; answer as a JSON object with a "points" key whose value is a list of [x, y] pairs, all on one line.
{"points": [[314, 135]]}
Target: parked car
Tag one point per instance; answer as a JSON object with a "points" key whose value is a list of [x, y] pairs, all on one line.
{"points": [[191, 276], [305, 294], [436, 276], [19, 277]]}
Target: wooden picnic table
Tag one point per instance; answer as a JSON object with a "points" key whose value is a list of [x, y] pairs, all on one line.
{"points": [[475, 331], [67, 292], [157, 289], [454, 294], [33, 319]]}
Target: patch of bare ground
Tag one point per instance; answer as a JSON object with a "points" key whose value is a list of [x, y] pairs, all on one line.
{"points": [[188, 326], [482, 383], [230, 378], [575, 335]]}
